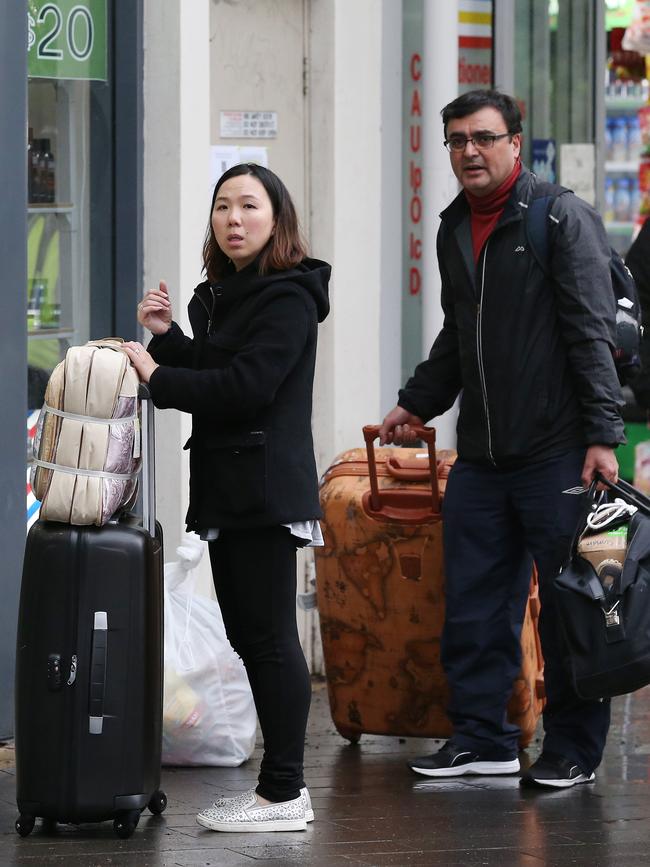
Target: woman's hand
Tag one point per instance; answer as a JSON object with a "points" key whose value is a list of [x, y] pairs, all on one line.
{"points": [[155, 310], [140, 359]]}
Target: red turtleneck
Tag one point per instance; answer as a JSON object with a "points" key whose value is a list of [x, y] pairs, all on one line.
{"points": [[486, 210]]}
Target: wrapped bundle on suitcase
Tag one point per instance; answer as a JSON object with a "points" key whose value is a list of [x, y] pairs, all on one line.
{"points": [[87, 444], [380, 586]]}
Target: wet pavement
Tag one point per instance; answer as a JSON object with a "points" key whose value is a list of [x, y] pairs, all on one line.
{"points": [[371, 810]]}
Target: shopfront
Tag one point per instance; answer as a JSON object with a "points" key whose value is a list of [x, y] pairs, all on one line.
{"points": [[74, 132]]}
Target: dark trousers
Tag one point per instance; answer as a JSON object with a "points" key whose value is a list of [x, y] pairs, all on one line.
{"points": [[495, 523], [254, 575]]}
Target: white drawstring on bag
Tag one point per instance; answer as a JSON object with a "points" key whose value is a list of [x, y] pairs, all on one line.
{"points": [[607, 513]]}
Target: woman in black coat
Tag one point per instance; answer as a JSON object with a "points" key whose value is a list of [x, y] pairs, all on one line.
{"points": [[246, 377]]}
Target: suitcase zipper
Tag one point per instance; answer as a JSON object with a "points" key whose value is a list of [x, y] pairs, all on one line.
{"points": [[69, 769]]}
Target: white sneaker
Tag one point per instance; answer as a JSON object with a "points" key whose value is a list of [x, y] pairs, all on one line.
{"points": [[251, 816], [243, 797]]}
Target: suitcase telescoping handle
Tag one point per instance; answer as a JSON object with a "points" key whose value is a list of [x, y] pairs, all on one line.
{"points": [[428, 435], [148, 492]]}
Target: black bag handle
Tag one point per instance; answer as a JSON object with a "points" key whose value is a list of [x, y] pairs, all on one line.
{"points": [[590, 499], [625, 489]]}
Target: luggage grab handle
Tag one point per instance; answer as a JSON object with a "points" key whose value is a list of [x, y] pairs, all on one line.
{"points": [[97, 685], [428, 434]]}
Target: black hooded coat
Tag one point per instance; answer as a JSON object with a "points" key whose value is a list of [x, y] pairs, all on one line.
{"points": [[246, 377]]}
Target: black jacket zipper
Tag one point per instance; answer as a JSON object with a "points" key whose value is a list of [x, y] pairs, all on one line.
{"points": [[479, 353], [210, 312]]}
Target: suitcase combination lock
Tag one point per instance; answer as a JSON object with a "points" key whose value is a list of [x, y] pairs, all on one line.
{"points": [[54, 671], [54, 680]]}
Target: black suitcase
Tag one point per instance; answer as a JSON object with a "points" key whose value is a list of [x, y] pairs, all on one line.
{"points": [[89, 668]]}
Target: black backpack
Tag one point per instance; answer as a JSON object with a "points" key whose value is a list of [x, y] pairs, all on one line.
{"points": [[628, 308]]}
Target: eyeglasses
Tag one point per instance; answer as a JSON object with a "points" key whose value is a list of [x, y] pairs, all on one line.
{"points": [[482, 140]]}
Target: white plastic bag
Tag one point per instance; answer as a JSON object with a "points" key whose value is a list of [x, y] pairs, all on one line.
{"points": [[208, 711]]}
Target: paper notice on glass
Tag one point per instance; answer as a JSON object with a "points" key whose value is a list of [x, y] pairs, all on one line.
{"points": [[254, 155], [578, 170], [248, 124], [224, 157]]}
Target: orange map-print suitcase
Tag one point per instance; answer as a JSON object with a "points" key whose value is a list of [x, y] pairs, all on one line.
{"points": [[380, 589]]}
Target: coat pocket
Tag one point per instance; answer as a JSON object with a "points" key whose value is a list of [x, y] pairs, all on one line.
{"points": [[237, 472]]}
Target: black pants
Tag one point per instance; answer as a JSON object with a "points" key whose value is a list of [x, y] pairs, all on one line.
{"points": [[494, 523], [254, 574]]}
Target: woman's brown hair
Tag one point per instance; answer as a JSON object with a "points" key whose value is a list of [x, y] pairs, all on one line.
{"points": [[286, 246]]}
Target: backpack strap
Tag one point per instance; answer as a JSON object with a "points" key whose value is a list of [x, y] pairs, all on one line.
{"points": [[536, 220]]}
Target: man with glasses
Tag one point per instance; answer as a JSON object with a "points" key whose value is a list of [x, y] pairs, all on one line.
{"points": [[531, 356]]}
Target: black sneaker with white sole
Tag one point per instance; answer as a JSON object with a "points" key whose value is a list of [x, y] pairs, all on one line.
{"points": [[452, 761], [555, 772]]}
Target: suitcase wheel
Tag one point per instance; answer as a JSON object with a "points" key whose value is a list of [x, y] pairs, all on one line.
{"points": [[126, 823], [158, 802], [25, 824]]}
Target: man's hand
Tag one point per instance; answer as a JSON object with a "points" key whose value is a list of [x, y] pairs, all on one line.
{"points": [[599, 459], [396, 427]]}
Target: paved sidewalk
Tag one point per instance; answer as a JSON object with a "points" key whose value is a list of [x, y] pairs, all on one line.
{"points": [[371, 810]]}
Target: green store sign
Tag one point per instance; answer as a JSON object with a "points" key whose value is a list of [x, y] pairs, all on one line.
{"points": [[618, 13], [67, 39]]}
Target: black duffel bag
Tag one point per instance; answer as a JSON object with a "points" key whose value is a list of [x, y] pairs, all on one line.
{"points": [[606, 632]]}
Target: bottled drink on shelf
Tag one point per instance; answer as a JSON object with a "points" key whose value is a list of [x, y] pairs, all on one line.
{"points": [[609, 200], [46, 167], [619, 140], [622, 200], [635, 198], [35, 171], [633, 138], [608, 138], [36, 300]]}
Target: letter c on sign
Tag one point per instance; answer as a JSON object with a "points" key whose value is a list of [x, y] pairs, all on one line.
{"points": [[416, 67]]}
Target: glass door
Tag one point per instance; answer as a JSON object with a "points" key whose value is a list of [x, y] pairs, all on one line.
{"points": [[555, 83]]}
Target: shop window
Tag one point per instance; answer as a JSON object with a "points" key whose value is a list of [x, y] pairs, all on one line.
{"points": [[68, 188]]}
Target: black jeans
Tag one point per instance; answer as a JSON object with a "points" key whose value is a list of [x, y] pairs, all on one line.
{"points": [[254, 572], [494, 523]]}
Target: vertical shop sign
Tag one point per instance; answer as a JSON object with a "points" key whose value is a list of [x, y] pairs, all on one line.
{"points": [[414, 217], [66, 39], [474, 44], [412, 53]]}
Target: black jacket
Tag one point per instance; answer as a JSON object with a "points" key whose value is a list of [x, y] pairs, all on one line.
{"points": [[246, 377], [531, 356]]}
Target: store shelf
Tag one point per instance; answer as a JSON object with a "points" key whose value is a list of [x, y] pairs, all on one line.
{"points": [[627, 167], [624, 103], [50, 208], [50, 333], [620, 227]]}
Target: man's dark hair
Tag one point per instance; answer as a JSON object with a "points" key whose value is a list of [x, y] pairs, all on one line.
{"points": [[475, 100]]}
